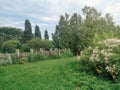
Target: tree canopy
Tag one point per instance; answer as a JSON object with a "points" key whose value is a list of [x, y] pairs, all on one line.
{"points": [[28, 31], [46, 36], [9, 33]]}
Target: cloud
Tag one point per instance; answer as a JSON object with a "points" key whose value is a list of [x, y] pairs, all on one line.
{"points": [[45, 13], [92, 3], [49, 19], [113, 7], [9, 23]]}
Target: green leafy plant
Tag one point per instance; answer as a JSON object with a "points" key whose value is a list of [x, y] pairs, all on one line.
{"points": [[40, 56], [67, 53], [31, 57], [10, 46], [54, 56]]}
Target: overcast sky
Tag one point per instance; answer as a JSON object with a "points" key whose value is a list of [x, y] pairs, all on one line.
{"points": [[46, 13]]}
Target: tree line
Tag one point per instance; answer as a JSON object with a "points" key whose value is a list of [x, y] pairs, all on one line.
{"points": [[75, 32], [8, 33], [12, 38], [28, 35]]}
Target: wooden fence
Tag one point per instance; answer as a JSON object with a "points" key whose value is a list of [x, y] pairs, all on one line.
{"points": [[41, 51], [6, 58]]}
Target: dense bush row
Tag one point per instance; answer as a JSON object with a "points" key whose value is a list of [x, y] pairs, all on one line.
{"points": [[10, 45]]}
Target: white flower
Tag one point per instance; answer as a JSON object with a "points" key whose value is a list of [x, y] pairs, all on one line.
{"points": [[102, 52], [106, 58], [107, 68]]}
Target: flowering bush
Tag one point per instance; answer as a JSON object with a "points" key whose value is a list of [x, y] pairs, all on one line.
{"points": [[103, 60]]}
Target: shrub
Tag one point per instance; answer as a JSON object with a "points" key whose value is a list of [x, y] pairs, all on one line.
{"points": [[36, 57], [85, 64], [103, 60], [54, 56], [67, 53], [37, 43], [40, 57], [25, 48], [31, 57], [10, 46]]}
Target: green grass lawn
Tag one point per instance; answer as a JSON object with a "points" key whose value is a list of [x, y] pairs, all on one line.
{"points": [[58, 74]]}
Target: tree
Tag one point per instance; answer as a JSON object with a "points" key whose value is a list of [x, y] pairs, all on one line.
{"points": [[37, 32], [91, 13], [46, 36], [62, 35], [9, 33], [28, 31], [76, 33], [67, 32]]}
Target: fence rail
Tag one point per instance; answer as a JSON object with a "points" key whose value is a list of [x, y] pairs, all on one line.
{"points": [[3, 55], [19, 55]]}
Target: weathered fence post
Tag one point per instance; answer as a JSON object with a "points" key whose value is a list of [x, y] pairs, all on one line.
{"points": [[59, 51], [36, 52], [8, 59], [56, 51], [31, 51], [41, 50], [17, 53], [69, 50], [51, 51]]}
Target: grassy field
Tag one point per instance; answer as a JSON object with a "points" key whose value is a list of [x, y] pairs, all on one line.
{"points": [[51, 75]]}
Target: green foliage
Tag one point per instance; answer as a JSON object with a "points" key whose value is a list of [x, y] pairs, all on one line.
{"points": [[10, 46], [9, 33], [84, 63], [37, 43], [34, 43], [63, 54], [25, 48], [41, 57], [31, 58], [66, 54], [54, 56], [36, 57], [46, 44]]}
